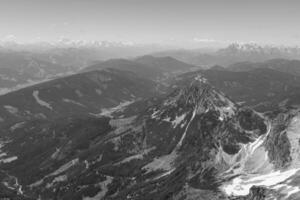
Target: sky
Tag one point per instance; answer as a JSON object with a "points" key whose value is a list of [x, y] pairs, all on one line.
{"points": [[180, 22]]}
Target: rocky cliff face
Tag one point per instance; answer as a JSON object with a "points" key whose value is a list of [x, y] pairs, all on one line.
{"points": [[283, 141]]}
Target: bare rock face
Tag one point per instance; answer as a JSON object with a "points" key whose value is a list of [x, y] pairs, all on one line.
{"points": [[257, 193], [277, 143]]}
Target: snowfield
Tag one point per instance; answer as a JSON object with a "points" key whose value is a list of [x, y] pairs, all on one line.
{"points": [[255, 169]]}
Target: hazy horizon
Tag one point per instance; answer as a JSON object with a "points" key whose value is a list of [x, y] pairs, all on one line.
{"points": [[187, 24]]}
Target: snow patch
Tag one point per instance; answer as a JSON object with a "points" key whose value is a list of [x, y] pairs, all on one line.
{"points": [[20, 86], [155, 114], [57, 179], [8, 160], [162, 163], [137, 156], [98, 91], [16, 126], [240, 186], [109, 111], [3, 154], [56, 153], [7, 78], [73, 102], [87, 165], [11, 109], [37, 183], [178, 120], [201, 79], [167, 173], [78, 93], [103, 191], [35, 94], [64, 167]]}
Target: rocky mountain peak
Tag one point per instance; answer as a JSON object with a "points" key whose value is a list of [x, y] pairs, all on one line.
{"points": [[201, 95]]}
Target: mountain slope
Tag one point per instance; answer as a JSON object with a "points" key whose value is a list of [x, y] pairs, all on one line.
{"points": [[87, 93], [146, 66], [127, 65]]}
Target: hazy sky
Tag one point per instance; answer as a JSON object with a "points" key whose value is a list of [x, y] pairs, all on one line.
{"points": [[152, 21]]}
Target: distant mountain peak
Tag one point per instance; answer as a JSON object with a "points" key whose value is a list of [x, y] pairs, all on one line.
{"points": [[258, 48]]}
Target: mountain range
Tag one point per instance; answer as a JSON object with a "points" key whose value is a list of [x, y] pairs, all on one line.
{"points": [[232, 54], [153, 128]]}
